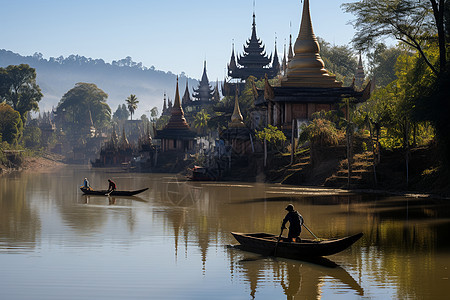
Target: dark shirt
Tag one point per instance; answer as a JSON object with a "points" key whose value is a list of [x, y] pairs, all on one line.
{"points": [[112, 186], [295, 221]]}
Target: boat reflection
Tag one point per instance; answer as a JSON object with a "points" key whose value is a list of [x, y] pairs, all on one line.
{"points": [[298, 279]]}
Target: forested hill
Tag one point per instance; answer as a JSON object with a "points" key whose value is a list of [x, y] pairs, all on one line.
{"points": [[118, 79]]}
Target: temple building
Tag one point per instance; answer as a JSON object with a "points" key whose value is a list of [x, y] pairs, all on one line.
{"points": [[254, 61], [176, 136], [306, 87]]}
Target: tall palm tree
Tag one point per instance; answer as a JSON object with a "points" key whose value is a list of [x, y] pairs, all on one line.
{"points": [[132, 102], [201, 120]]}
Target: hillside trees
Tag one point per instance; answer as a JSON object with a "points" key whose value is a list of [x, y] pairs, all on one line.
{"points": [[83, 106], [11, 125], [19, 89], [121, 113]]}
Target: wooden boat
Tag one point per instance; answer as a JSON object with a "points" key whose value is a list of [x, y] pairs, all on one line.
{"points": [[266, 244], [202, 174], [114, 193]]}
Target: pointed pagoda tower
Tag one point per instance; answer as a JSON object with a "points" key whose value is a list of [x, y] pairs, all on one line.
{"points": [[254, 61], [187, 96], [306, 87], [360, 75], [276, 61], [306, 68], [204, 92], [237, 134], [176, 135]]}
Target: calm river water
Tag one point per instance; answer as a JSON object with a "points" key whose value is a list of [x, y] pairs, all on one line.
{"points": [[172, 242]]}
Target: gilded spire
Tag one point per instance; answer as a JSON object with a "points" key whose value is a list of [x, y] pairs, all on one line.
{"points": [[236, 118], [306, 68], [177, 120]]}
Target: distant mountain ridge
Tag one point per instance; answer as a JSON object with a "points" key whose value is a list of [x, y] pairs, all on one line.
{"points": [[118, 79]]}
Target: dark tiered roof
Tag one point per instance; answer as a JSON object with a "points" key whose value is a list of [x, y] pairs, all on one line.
{"points": [[254, 61], [177, 127], [204, 92]]}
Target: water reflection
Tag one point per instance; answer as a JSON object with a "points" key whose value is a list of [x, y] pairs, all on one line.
{"points": [[404, 249], [298, 279]]}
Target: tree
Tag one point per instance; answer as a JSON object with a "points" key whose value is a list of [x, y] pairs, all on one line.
{"points": [[80, 105], [154, 113], [132, 102], [410, 21], [11, 125], [201, 120], [19, 88], [340, 60], [121, 113], [381, 61]]}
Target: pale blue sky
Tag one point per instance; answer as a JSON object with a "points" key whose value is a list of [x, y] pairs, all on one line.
{"points": [[172, 35]]}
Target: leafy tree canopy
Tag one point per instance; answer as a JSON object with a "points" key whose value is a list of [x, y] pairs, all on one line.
{"points": [[412, 22], [19, 89], [80, 105], [11, 125]]}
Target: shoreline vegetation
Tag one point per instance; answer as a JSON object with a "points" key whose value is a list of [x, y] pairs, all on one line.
{"points": [[424, 183]]}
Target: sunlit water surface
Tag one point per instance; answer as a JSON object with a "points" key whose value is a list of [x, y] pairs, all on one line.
{"points": [[172, 242]]}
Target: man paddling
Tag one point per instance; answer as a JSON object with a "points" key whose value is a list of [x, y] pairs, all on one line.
{"points": [[295, 223], [111, 187]]}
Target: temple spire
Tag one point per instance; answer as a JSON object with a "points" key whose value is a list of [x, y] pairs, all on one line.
{"points": [[177, 119], [306, 68], [290, 53], [236, 118], [359, 76]]}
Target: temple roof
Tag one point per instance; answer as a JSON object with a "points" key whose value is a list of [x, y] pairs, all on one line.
{"points": [[318, 95], [187, 96], [177, 127], [254, 61], [204, 92], [177, 120]]}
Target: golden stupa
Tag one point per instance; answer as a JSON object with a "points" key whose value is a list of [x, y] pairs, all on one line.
{"points": [[306, 68], [236, 118]]}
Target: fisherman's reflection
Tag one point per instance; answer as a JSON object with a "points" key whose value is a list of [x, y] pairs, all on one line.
{"points": [[292, 282]]}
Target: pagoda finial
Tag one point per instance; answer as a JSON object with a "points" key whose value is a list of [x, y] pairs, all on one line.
{"points": [[177, 102], [236, 118], [306, 68]]}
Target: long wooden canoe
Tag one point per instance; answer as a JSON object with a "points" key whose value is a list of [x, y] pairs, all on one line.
{"points": [[265, 243], [114, 193]]}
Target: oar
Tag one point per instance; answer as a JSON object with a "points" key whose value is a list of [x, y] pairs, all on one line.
{"points": [[304, 225], [276, 245], [107, 195]]}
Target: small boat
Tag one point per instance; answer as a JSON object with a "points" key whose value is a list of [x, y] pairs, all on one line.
{"points": [[202, 174], [113, 193], [266, 244]]}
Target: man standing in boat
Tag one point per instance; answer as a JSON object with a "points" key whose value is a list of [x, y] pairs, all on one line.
{"points": [[295, 220], [111, 187]]}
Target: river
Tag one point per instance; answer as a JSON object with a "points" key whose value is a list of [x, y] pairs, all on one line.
{"points": [[173, 241]]}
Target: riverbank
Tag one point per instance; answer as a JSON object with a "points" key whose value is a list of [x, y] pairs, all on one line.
{"points": [[45, 161]]}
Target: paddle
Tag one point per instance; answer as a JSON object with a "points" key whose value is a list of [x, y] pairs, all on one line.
{"points": [[278, 240], [304, 225]]}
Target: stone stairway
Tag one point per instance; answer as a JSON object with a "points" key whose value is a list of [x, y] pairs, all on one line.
{"points": [[361, 175]]}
